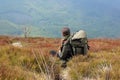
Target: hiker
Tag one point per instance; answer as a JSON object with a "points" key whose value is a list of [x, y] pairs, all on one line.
{"points": [[65, 48], [65, 51], [72, 44]]}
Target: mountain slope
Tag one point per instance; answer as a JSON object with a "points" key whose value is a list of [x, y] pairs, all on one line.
{"points": [[7, 27], [47, 17]]}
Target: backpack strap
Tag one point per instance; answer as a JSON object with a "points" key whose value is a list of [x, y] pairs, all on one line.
{"points": [[67, 42], [69, 39]]}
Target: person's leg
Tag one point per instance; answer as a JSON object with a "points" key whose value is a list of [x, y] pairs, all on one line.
{"points": [[64, 64]]}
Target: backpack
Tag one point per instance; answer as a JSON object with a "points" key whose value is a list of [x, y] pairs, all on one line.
{"points": [[79, 42], [75, 44]]}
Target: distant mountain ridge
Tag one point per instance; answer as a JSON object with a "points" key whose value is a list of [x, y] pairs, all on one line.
{"points": [[99, 18]]}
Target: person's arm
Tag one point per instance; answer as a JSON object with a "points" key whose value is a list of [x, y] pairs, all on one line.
{"points": [[59, 54]]}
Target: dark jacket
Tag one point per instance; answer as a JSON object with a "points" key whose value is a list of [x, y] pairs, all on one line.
{"points": [[66, 49]]}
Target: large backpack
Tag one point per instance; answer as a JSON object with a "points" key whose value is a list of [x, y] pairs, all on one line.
{"points": [[79, 42], [75, 44]]}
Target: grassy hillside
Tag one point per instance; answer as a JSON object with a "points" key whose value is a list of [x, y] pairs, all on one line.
{"points": [[97, 17], [33, 62]]}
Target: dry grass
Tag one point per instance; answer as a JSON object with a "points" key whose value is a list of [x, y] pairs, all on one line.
{"points": [[33, 62]]}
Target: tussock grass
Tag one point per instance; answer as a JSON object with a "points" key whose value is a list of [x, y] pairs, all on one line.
{"points": [[103, 65], [33, 62], [25, 64]]}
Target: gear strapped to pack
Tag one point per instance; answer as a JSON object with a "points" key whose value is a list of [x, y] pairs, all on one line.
{"points": [[79, 42]]}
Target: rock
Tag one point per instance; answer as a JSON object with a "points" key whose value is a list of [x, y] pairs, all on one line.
{"points": [[17, 44]]}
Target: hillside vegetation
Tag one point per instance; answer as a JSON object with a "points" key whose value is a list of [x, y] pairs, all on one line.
{"points": [[47, 17], [33, 62]]}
